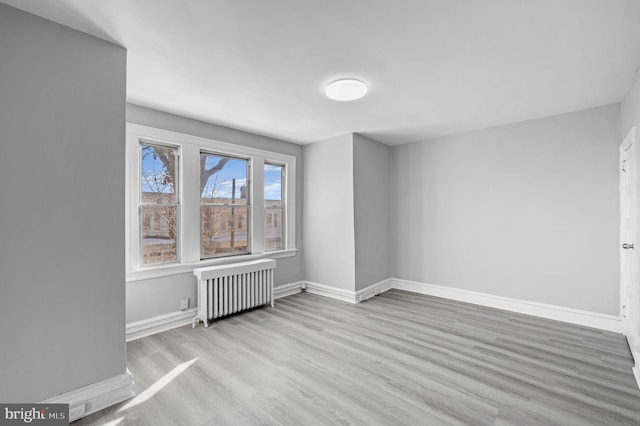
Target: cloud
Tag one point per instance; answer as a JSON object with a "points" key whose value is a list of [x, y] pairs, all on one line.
{"points": [[223, 189], [273, 191], [272, 168]]}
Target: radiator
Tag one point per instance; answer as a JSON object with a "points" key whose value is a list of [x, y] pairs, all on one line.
{"points": [[227, 289]]}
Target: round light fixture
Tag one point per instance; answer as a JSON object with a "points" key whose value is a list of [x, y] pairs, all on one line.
{"points": [[346, 89]]}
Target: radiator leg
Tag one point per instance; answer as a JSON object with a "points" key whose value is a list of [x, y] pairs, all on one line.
{"points": [[206, 323], [195, 321]]}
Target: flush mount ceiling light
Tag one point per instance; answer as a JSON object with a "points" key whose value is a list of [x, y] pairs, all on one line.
{"points": [[346, 89]]}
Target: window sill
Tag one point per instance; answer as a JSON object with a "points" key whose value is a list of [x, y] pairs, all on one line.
{"points": [[183, 268]]}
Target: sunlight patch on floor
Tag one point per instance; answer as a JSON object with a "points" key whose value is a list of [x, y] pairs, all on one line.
{"points": [[157, 386], [114, 422]]}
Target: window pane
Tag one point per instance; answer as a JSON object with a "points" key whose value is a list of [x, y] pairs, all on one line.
{"points": [[273, 229], [273, 185], [223, 180], [223, 230], [159, 226], [273, 207], [158, 179]]}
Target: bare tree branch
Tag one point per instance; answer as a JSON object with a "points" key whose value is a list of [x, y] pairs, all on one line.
{"points": [[205, 174], [169, 161]]}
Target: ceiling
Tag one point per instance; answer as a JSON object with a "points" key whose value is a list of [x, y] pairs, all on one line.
{"points": [[433, 67]]}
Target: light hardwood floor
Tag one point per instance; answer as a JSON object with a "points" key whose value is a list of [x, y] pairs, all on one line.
{"points": [[399, 358]]}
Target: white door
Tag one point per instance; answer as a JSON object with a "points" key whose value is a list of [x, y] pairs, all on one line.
{"points": [[630, 287]]}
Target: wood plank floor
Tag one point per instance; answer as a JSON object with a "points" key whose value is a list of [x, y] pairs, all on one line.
{"points": [[399, 358]]}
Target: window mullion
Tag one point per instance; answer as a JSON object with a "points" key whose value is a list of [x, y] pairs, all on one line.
{"points": [[257, 219], [190, 203]]}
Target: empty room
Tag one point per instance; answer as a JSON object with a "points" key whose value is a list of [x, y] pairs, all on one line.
{"points": [[297, 212]]}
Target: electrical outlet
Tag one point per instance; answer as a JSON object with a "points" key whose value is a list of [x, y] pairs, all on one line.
{"points": [[76, 412], [184, 304]]}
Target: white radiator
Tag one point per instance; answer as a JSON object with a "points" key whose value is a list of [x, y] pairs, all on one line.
{"points": [[227, 289]]}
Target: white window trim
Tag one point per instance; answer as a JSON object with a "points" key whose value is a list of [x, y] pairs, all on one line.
{"points": [[189, 148]]}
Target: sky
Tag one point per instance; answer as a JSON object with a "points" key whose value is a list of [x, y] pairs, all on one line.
{"points": [[272, 182], [222, 181]]}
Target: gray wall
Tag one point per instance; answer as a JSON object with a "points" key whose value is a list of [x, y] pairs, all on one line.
{"points": [[158, 296], [526, 211], [329, 248], [630, 108], [372, 211], [62, 115]]}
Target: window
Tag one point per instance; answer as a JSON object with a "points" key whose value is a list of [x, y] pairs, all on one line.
{"points": [[158, 203], [224, 205], [194, 202], [274, 210]]}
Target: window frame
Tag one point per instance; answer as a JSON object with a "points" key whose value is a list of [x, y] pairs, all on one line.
{"points": [[248, 206], [283, 200], [189, 149], [141, 204]]}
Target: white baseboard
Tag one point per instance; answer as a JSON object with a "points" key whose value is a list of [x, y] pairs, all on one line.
{"points": [[553, 312], [612, 323], [329, 291], [95, 397], [285, 290], [558, 313], [147, 327], [348, 295], [373, 290]]}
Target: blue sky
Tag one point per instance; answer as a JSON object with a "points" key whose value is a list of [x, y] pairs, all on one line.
{"points": [[272, 182], [221, 181], [153, 168]]}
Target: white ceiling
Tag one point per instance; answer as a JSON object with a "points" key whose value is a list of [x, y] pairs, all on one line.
{"points": [[433, 67]]}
